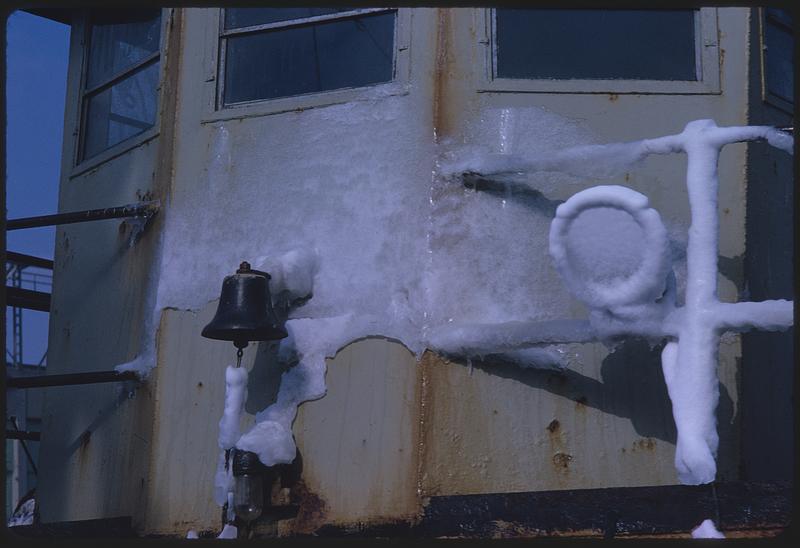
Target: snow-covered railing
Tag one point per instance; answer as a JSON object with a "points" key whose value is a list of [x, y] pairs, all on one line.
{"points": [[644, 303]]}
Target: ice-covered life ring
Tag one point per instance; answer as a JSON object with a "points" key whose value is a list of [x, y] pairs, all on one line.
{"points": [[646, 283]]}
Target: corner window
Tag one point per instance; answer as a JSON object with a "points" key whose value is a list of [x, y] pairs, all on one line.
{"points": [[270, 53], [778, 59], [602, 50], [120, 81]]}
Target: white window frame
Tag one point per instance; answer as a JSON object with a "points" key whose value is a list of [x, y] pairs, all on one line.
{"points": [[79, 129], [766, 95], [707, 62], [214, 80]]}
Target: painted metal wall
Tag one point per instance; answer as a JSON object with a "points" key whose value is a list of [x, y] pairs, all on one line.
{"points": [[391, 430], [95, 445], [767, 371]]}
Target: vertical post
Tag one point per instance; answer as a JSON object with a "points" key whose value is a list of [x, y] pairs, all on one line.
{"points": [[16, 315], [694, 389]]}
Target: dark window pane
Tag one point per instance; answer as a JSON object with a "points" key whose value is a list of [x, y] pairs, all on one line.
{"points": [[783, 17], [350, 53], [595, 44], [247, 17], [779, 60], [119, 39], [121, 111]]}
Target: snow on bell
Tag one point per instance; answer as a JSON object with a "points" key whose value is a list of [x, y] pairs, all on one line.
{"points": [[245, 310]]}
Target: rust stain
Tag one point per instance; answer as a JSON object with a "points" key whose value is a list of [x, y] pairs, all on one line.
{"points": [[440, 73], [562, 460], [422, 396], [580, 403], [554, 426], [644, 444], [85, 437], [310, 514], [613, 97], [83, 452]]}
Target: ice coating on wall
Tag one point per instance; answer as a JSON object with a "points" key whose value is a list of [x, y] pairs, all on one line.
{"points": [[637, 304], [488, 248], [390, 242], [331, 192]]}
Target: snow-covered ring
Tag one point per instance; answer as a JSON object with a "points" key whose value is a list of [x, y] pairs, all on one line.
{"points": [[643, 286]]}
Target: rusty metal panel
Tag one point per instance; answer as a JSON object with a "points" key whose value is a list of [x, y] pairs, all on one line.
{"points": [[358, 443], [189, 398], [493, 428]]}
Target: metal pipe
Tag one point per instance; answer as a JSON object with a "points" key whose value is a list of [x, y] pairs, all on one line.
{"points": [[42, 381], [24, 446], [23, 435], [18, 297], [28, 260], [144, 209]]}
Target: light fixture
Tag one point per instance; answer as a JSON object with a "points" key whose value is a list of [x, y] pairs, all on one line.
{"points": [[248, 492]]}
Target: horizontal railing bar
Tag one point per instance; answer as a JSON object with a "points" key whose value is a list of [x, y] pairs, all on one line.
{"points": [[23, 435], [24, 259], [93, 377], [28, 299], [143, 209], [30, 366]]}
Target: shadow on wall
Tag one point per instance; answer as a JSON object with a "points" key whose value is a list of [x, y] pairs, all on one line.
{"points": [[264, 378], [633, 387], [520, 192]]}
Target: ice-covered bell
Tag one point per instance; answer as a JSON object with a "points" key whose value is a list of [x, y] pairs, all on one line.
{"points": [[245, 310]]}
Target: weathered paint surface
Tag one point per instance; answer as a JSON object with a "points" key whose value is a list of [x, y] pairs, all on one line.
{"points": [[191, 391], [358, 443], [95, 444], [391, 430], [492, 428], [768, 365]]}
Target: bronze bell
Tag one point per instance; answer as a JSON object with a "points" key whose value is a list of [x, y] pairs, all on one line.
{"points": [[245, 310]]}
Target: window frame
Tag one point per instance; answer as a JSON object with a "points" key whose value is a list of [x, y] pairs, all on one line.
{"points": [[766, 95], [706, 54], [81, 165], [215, 110]]}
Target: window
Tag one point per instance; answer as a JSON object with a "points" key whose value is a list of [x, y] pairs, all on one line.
{"points": [[778, 58], [270, 53], [602, 50], [564, 44], [120, 80]]}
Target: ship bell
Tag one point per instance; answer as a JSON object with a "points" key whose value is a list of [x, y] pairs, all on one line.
{"points": [[245, 310]]}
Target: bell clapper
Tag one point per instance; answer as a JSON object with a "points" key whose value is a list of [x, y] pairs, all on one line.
{"points": [[239, 354]]}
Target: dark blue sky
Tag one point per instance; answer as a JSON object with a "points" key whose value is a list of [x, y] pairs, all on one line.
{"points": [[36, 60]]}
